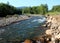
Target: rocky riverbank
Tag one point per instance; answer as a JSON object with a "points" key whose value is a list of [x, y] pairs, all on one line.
{"points": [[53, 22], [6, 21]]}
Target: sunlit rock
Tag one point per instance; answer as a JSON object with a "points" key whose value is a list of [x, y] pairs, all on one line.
{"points": [[49, 32]]}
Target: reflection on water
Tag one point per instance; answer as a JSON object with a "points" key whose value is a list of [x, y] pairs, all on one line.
{"points": [[23, 29]]}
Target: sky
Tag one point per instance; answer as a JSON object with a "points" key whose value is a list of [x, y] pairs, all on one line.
{"points": [[21, 3]]}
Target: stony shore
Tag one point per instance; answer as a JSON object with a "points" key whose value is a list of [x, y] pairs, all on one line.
{"points": [[9, 20], [53, 22]]}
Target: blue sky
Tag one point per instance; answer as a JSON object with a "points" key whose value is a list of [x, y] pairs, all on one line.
{"points": [[19, 3]]}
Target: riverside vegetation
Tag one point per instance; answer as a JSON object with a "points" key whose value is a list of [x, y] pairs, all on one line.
{"points": [[7, 9]]}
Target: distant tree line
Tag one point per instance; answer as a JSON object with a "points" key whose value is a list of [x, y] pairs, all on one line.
{"points": [[42, 9], [56, 8], [7, 9]]}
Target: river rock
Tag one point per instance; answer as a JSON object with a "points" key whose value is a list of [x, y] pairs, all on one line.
{"points": [[54, 26]]}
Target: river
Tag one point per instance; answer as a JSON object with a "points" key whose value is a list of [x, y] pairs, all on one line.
{"points": [[23, 29]]}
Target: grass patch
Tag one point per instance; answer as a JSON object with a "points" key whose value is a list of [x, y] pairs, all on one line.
{"points": [[53, 13]]}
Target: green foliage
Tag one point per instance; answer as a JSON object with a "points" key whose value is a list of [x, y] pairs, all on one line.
{"points": [[33, 10], [53, 13], [56, 8], [27, 10], [42, 9], [6, 9]]}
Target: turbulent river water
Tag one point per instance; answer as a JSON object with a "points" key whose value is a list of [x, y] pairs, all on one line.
{"points": [[22, 29]]}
